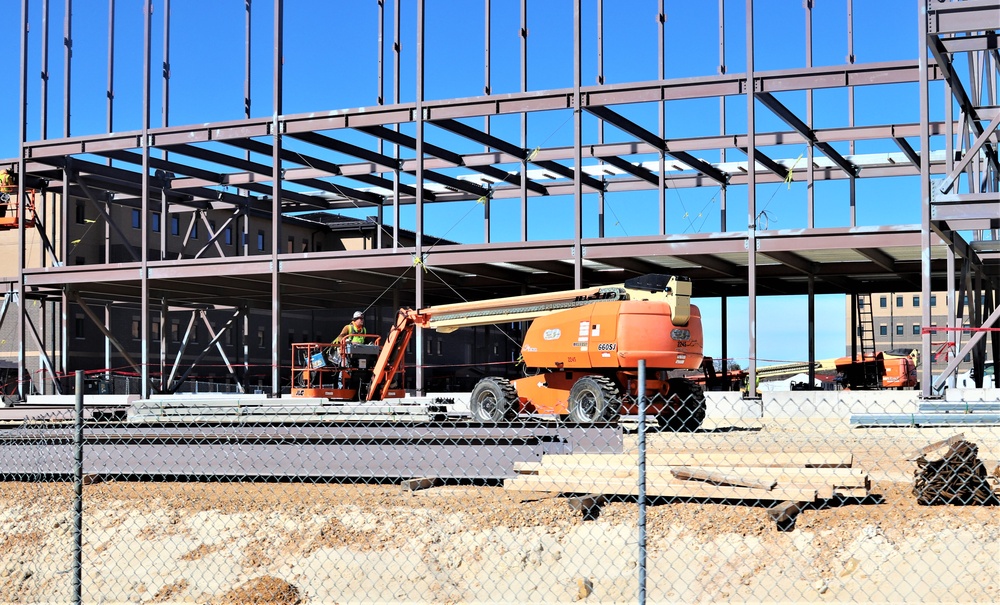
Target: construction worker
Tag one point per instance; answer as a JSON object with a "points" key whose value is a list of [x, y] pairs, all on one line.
{"points": [[351, 330]]}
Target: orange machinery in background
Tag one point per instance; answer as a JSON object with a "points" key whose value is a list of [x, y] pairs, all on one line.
{"points": [[583, 349]]}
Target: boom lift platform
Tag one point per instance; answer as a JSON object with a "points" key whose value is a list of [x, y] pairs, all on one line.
{"points": [[583, 348]]}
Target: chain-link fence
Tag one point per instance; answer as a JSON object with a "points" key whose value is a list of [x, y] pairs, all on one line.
{"points": [[719, 499]]}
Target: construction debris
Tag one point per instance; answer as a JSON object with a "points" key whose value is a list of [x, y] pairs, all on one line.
{"points": [[733, 476], [958, 477]]}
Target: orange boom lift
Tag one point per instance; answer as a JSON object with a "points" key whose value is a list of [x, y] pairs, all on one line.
{"points": [[583, 348]]}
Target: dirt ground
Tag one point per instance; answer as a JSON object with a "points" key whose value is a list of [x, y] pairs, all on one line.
{"points": [[289, 543]]}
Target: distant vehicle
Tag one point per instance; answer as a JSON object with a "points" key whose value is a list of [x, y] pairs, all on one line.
{"points": [[965, 381]]}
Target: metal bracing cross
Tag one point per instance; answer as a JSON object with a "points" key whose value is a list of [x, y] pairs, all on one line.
{"points": [[107, 333], [164, 385], [42, 354], [171, 385], [969, 155], [102, 208]]}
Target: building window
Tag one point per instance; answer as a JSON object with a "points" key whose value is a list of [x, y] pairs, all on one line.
{"points": [[899, 330], [899, 301], [228, 236], [229, 337], [305, 245], [194, 333], [428, 346], [883, 330], [175, 331], [260, 338], [78, 329], [291, 244], [439, 347], [916, 301], [136, 328], [861, 303], [81, 213], [175, 225], [194, 228], [260, 240], [156, 222], [933, 300], [136, 218], [155, 329], [916, 328], [883, 302]]}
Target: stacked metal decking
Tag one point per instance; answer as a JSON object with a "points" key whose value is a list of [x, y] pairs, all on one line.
{"points": [[936, 413], [256, 409]]}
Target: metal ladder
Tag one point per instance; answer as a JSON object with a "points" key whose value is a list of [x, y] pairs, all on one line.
{"points": [[866, 334]]}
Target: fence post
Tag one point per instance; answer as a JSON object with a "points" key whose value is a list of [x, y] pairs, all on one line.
{"points": [[642, 481], [78, 493]]}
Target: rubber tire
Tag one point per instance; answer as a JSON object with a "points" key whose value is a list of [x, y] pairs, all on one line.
{"points": [[686, 407], [493, 400], [594, 399]]}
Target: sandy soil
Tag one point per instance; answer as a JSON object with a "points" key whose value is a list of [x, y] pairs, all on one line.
{"points": [[304, 543]]}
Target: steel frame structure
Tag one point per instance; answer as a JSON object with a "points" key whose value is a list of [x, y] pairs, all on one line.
{"points": [[301, 149]]}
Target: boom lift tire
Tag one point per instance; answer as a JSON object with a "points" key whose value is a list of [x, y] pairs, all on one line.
{"points": [[594, 399], [494, 400], [686, 406]]}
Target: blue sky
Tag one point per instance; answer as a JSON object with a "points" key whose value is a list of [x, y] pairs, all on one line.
{"points": [[330, 62]]}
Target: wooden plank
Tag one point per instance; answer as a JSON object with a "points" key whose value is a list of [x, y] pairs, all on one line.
{"points": [[766, 459], [675, 489], [716, 478], [785, 511], [843, 477], [412, 485], [920, 453]]}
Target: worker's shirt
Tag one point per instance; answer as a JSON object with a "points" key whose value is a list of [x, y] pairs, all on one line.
{"points": [[348, 330]]}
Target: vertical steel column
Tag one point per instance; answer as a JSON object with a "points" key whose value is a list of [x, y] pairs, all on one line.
{"points": [[722, 129], [44, 97], [397, 49], [487, 89], [577, 145], [419, 228], [43, 134], [380, 97], [661, 50], [144, 215], [107, 343], [810, 201], [166, 67], [67, 102], [276, 201], [810, 176], [109, 118], [245, 244], [600, 122], [950, 304], [165, 115], [21, 256], [751, 241], [926, 379], [67, 67], [811, 321], [524, 120], [724, 323], [852, 179], [164, 312]]}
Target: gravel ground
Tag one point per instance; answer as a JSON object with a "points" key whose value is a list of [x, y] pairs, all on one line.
{"points": [[302, 543]]}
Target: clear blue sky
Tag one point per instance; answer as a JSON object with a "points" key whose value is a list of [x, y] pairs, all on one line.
{"points": [[330, 62]]}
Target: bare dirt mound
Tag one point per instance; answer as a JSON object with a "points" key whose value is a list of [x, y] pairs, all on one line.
{"points": [[261, 590]]}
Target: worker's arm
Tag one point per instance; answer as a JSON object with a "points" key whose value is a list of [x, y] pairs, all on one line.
{"points": [[343, 333]]}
